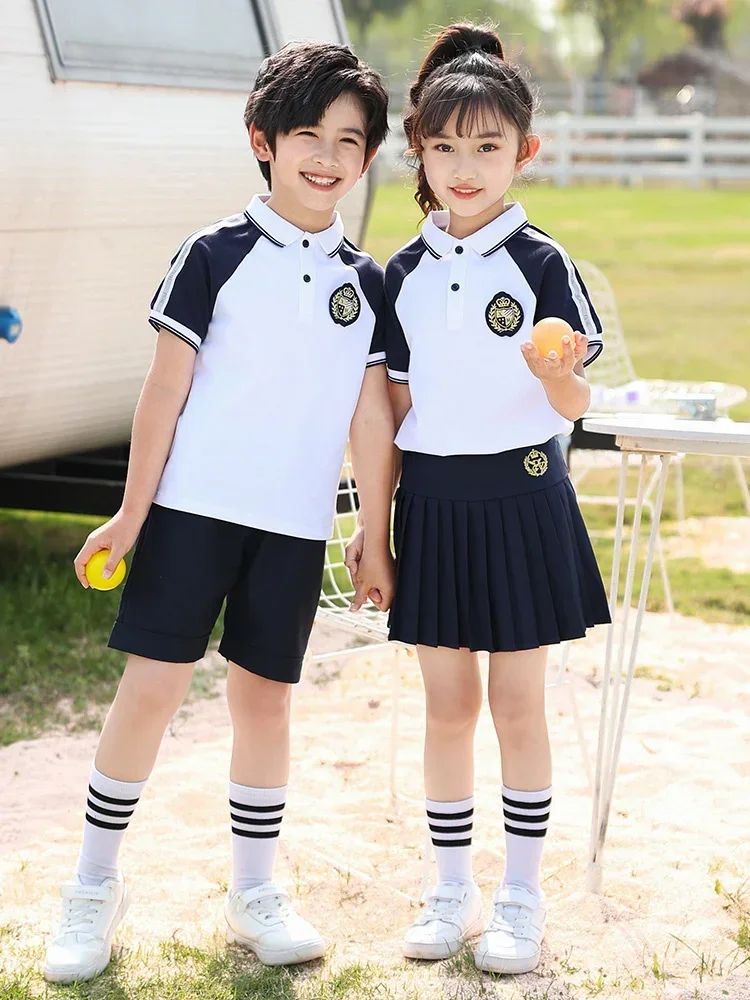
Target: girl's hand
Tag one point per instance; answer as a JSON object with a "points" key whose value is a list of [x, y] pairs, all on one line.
{"points": [[376, 579], [552, 368], [118, 535]]}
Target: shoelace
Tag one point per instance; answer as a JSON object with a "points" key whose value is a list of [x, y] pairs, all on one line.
{"points": [[79, 915], [272, 907], [437, 907], [508, 917]]}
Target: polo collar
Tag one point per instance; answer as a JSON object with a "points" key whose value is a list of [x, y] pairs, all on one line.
{"points": [[484, 241], [283, 233]]}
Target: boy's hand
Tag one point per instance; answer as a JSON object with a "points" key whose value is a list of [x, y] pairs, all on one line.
{"points": [[118, 535], [552, 368], [353, 552], [376, 579]]}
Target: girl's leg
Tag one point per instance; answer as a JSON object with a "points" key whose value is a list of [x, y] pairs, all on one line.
{"points": [[453, 701], [259, 772], [149, 694], [517, 702]]}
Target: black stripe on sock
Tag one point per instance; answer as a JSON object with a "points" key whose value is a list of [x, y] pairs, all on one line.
{"points": [[452, 843], [451, 829], [109, 812], [106, 826], [258, 809], [463, 815], [114, 802], [255, 833], [520, 818], [527, 805], [525, 833], [256, 821]]}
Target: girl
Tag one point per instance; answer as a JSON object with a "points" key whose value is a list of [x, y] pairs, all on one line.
{"points": [[492, 551]]}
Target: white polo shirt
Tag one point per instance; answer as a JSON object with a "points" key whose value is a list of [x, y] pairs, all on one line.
{"points": [[284, 323], [457, 312]]}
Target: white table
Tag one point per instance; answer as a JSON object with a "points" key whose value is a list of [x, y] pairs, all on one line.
{"points": [[647, 435]]}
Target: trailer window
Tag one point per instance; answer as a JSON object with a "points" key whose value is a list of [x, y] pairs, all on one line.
{"points": [[217, 44]]}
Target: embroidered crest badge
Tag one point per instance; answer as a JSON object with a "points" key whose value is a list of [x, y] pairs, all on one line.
{"points": [[344, 305], [536, 462], [504, 315]]}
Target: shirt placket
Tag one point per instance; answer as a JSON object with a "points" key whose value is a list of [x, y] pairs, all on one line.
{"points": [[306, 280], [456, 287]]}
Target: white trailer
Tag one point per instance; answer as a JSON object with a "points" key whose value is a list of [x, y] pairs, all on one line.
{"points": [[120, 132]]}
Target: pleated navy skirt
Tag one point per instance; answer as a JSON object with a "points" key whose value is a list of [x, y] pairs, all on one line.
{"points": [[492, 553]]}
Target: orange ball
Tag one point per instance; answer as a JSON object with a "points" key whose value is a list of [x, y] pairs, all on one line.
{"points": [[548, 334]]}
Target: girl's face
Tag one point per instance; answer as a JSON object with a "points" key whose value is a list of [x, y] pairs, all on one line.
{"points": [[472, 173]]}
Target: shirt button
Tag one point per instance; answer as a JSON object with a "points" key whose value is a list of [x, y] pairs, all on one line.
{"points": [[306, 277], [455, 286], [305, 244], [459, 249]]}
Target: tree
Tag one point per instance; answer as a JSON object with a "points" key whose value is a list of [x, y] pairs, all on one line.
{"points": [[707, 18], [613, 18], [362, 12]]}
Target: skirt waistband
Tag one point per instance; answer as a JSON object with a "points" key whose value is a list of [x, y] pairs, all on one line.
{"points": [[484, 477]]}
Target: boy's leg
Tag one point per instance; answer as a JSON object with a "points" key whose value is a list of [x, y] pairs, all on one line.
{"points": [[259, 772], [512, 941], [149, 694], [453, 700], [269, 615]]}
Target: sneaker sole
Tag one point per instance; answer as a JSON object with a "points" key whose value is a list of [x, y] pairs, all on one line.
{"points": [[507, 966], [291, 956], [96, 968], [441, 949]]}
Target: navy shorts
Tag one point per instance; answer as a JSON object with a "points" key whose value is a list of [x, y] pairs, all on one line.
{"points": [[183, 568]]}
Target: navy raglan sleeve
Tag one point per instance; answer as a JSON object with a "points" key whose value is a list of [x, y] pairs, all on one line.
{"points": [[563, 294], [377, 344], [397, 352], [183, 303]]}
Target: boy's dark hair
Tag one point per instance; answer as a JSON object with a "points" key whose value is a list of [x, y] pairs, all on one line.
{"points": [[294, 87], [464, 69]]}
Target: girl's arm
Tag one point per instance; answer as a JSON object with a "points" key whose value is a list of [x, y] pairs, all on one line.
{"points": [[563, 378], [161, 401], [371, 439]]}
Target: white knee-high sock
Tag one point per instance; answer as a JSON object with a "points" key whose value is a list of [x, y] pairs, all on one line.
{"points": [[256, 815], [109, 807], [526, 818], [451, 825]]}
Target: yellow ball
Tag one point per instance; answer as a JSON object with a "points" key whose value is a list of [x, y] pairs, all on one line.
{"points": [[548, 333], [94, 568]]}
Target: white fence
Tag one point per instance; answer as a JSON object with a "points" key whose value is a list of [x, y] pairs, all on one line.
{"points": [[693, 149]]}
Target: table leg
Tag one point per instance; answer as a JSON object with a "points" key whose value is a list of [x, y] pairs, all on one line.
{"points": [[612, 716]]}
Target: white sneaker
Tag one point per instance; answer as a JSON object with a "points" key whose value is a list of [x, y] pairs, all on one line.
{"points": [[452, 913], [82, 947], [512, 941], [262, 920]]}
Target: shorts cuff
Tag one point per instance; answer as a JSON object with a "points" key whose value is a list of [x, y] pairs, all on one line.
{"points": [[157, 645], [272, 666]]}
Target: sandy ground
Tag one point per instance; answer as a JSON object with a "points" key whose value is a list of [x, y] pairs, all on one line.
{"points": [[678, 833]]}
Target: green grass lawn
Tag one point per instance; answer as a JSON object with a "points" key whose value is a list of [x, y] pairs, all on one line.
{"points": [[678, 262]]}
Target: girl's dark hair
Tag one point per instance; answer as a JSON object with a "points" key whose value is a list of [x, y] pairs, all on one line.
{"points": [[295, 85], [464, 69]]}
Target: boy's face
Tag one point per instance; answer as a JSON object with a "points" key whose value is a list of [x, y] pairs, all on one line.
{"points": [[317, 165]]}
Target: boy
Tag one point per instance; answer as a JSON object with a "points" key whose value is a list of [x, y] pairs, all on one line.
{"points": [[269, 354]]}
